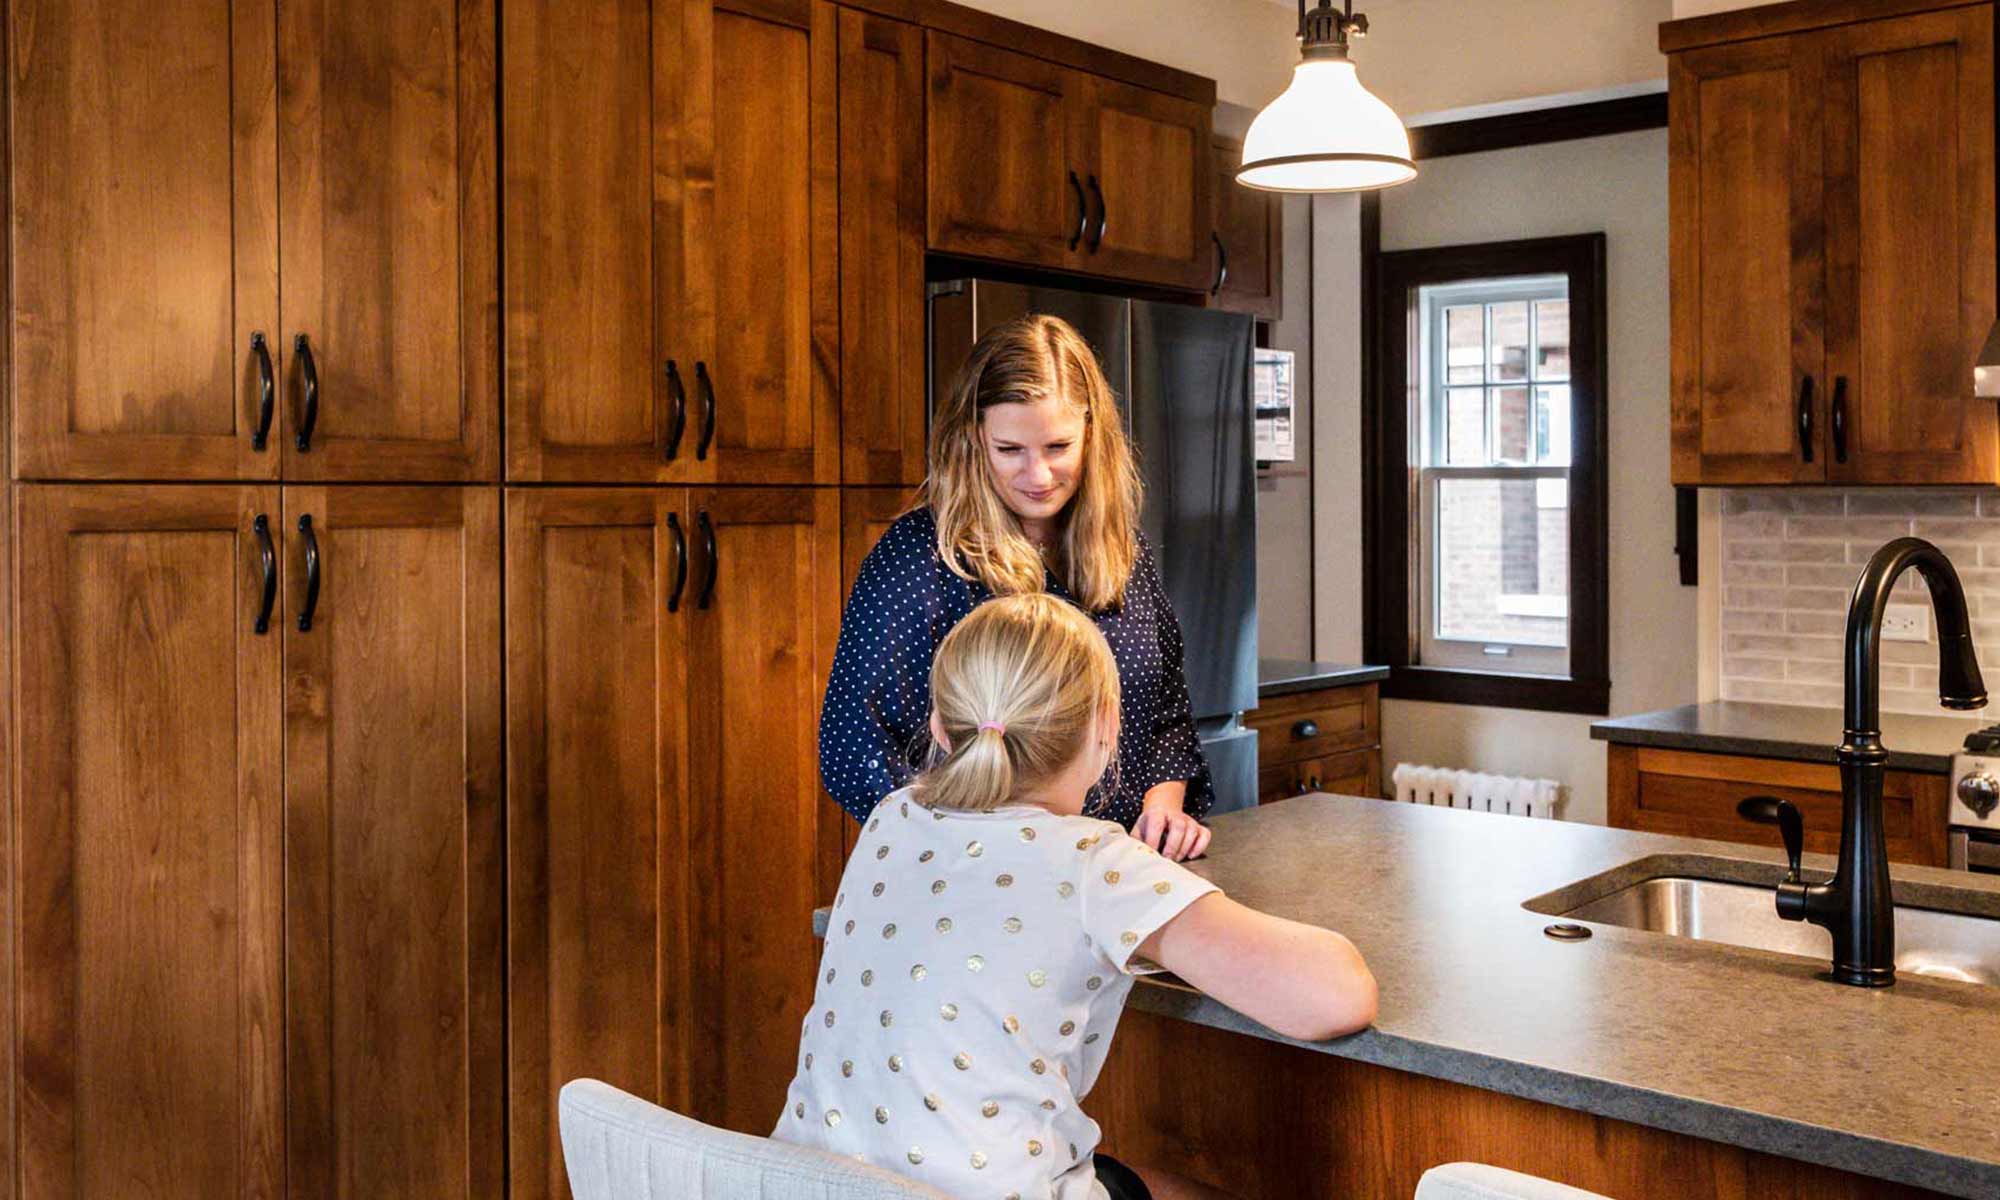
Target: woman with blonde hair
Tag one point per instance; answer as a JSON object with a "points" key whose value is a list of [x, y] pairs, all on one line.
{"points": [[985, 936], [1032, 487]]}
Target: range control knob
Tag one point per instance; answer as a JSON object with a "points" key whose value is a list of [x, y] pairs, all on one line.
{"points": [[1981, 793]]}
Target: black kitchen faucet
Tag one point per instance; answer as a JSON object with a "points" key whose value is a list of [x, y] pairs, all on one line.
{"points": [[1856, 906]]}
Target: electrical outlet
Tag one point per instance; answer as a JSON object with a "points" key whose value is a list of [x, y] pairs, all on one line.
{"points": [[1906, 623]]}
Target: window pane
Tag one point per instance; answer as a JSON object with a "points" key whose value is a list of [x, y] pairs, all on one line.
{"points": [[1552, 339], [1509, 341], [1552, 434], [1465, 427], [1464, 344], [1512, 425], [1502, 561]]}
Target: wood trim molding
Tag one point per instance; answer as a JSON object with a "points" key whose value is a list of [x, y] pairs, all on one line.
{"points": [[1623, 114], [1797, 16]]}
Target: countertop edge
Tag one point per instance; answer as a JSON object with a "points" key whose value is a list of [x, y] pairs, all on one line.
{"points": [[1722, 743], [1865, 1156], [1331, 676]]}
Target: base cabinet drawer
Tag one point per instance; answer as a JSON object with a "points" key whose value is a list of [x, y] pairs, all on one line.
{"points": [[1355, 773], [1695, 794], [1312, 724]]}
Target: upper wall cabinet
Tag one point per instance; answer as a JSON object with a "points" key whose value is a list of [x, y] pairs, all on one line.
{"points": [[157, 156], [1249, 240], [672, 303], [1032, 162], [1832, 246]]}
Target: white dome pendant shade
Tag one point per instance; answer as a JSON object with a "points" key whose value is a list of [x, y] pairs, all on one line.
{"points": [[1326, 133]]}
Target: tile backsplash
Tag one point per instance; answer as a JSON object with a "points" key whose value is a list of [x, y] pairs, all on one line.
{"points": [[1789, 561]]}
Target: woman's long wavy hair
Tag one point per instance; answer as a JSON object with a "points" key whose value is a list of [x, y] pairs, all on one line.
{"points": [[1030, 360], [1018, 686]]}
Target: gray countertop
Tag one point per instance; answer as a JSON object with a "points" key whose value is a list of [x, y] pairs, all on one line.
{"points": [[1283, 676], [1916, 743]]}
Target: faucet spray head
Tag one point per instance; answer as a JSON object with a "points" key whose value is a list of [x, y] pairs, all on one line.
{"points": [[1959, 683]]}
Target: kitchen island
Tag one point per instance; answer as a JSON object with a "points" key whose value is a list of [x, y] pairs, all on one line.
{"points": [[1630, 1063]]}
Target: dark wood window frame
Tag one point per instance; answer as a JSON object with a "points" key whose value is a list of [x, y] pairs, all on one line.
{"points": [[1389, 478]]}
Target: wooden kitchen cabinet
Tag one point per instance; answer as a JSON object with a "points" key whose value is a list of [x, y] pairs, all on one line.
{"points": [[1694, 794], [1249, 240], [1831, 245], [1326, 740], [1036, 163], [666, 653], [673, 297], [158, 157]]}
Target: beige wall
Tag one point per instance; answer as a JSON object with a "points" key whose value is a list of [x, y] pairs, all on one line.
{"points": [[1697, 8]]}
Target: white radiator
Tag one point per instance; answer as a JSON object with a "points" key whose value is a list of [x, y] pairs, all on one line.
{"points": [[1449, 787]]}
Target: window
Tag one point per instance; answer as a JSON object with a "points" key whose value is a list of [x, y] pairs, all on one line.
{"points": [[1485, 465]]}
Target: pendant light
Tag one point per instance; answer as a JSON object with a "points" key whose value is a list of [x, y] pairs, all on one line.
{"points": [[1326, 133]]}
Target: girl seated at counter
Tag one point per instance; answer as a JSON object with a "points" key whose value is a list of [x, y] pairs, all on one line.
{"points": [[986, 933]]}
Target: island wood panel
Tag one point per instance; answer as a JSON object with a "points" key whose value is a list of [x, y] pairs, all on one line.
{"points": [[148, 919], [592, 239], [1249, 240], [884, 400], [144, 230], [1694, 794], [1910, 246], [387, 247], [865, 515], [1149, 180], [395, 1071], [1746, 263], [758, 302], [1260, 1118], [599, 861], [763, 843], [8, 708]]}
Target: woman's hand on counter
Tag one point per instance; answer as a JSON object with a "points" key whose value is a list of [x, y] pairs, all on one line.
{"points": [[1166, 827]]}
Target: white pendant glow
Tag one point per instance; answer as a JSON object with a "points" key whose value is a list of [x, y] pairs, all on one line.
{"points": [[1326, 133]]}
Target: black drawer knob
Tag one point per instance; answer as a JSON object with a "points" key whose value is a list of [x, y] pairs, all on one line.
{"points": [[1306, 729]]}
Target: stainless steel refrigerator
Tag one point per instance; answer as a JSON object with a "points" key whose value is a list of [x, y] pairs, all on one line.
{"points": [[1182, 378]]}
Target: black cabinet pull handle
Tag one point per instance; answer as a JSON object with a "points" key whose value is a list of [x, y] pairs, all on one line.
{"points": [[1806, 418], [680, 562], [1839, 421], [262, 526], [1306, 729], [1082, 211], [714, 562], [309, 373], [1103, 214], [678, 418], [1221, 263], [706, 388], [312, 572], [267, 390]]}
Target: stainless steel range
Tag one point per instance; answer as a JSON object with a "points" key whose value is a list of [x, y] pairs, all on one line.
{"points": [[1973, 836]]}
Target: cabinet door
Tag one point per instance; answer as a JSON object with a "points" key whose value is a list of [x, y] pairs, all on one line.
{"points": [[148, 920], [391, 272], [145, 237], [865, 515], [592, 237], [1910, 247], [1006, 180], [762, 839], [394, 978], [883, 403], [1150, 182], [1356, 773], [758, 310], [1745, 252], [597, 832], [1249, 233]]}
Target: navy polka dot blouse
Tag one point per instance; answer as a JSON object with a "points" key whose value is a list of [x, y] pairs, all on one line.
{"points": [[873, 728]]}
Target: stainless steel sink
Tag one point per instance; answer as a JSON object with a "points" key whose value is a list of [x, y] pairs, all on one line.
{"points": [[1928, 942]]}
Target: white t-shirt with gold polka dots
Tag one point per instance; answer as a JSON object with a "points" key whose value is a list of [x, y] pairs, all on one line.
{"points": [[974, 970]]}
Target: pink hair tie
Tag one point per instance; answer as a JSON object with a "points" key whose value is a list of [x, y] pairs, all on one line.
{"points": [[995, 726]]}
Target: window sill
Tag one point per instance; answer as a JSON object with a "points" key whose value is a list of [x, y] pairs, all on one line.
{"points": [[1495, 689]]}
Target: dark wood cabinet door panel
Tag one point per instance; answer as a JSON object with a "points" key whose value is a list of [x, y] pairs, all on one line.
{"points": [[1249, 240], [148, 920], [145, 238], [1006, 179], [1150, 182], [598, 847], [1910, 246], [764, 842], [391, 272], [1746, 263], [394, 950], [883, 402]]}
